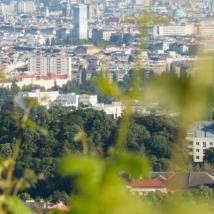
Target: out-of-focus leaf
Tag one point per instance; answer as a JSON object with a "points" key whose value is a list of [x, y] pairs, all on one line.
{"points": [[2, 75], [86, 169], [30, 124], [106, 87], [129, 163], [81, 137], [30, 102], [78, 164], [19, 101], [12, 204]]}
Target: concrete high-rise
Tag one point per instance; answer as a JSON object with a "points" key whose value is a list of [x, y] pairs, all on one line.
{"points": [[80, 21], [41, 64]]}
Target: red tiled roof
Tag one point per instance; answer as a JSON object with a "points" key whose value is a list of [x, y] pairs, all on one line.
{"points": [[149, 183], [60, 206]]}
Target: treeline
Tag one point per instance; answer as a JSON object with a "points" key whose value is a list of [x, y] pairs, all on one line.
{"points": [[150, 136]]}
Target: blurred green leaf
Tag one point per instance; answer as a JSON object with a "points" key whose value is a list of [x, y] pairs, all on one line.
{"points": [[12, 204], [106, 87]]}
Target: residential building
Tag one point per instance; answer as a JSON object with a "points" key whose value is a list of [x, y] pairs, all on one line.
{"points": [[26, 7], [189, 180], [115, 109], [173, 30], [45, 81], [88, 100], [6, 9], [68, 100], [186, 180], [50, 98], [44, 98], [50, 64], [200, 137], [144, 3], [142, 187]]}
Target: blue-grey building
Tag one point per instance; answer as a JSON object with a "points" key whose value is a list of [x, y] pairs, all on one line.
{"points": [[80, 21]]}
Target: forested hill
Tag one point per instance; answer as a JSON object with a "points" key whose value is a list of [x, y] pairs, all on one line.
{"points": [[151, 136]]}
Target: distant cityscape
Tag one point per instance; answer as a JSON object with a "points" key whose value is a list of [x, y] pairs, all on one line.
{"points": [[62, 38]]}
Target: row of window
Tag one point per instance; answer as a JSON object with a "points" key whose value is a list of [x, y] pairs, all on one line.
{"points": [[205, 144], [198, 150]]}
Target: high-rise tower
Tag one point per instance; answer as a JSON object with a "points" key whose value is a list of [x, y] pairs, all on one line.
{"points": [[80, 21]]}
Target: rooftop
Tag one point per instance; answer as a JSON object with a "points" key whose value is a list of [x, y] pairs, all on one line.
{"points": [[203, 129], [189, 180], [148, 183]]}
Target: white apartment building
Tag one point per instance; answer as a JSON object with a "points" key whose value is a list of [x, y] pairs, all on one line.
{"points": [[88, 100], [50, 98], [26, 7], [47, 64], [45, 82], [6, 9], [200, 137], [44, 98], [174, 30], [74, 100], [115, 109], [68, 100], [145, 3], [206, 30]]}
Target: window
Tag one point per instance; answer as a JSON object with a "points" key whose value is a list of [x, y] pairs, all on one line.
{"points": [[197, 157], [197, 143], [211, 143], [204, 144], [197, 150]]}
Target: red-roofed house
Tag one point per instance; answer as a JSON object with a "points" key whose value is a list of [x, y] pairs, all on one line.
{"points": [[144, 186], [59, 206]]}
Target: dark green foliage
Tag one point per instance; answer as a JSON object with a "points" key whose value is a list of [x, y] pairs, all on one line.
{"points": [[150, 136], [74, 86], [209, 155], [138, 136], [159, 146]]}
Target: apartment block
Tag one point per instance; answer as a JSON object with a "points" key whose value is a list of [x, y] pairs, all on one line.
{"points": [[200, 137], [50, 64]]}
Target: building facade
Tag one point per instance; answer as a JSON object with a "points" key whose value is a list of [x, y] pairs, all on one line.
{"points": [[26, 7], [47, 64], [174, 30], [200, 138], [80, 21]]}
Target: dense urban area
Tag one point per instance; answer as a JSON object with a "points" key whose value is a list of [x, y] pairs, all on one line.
{"points": [[54, 52]]}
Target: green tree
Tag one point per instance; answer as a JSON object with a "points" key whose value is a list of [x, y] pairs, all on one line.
{"points": [[158, 146], [209, 155], [138, 135]]}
